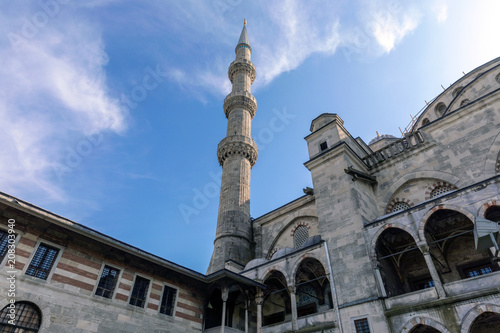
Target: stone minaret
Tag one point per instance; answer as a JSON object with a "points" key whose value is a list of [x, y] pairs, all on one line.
{"points": [[237, 154]]}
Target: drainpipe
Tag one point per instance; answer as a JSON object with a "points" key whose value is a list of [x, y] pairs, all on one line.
{"points": [[334, 290]]}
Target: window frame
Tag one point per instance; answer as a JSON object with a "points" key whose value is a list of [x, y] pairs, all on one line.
{"points": [[118, 278], [367, 317], [5, 229], [54, 263], [321, 143], [148, 290], [174, 307]]}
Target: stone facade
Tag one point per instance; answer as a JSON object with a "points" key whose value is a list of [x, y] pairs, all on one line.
{"points": [[385, 242]]}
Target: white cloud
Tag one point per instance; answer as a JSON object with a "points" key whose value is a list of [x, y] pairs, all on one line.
{"points": [[53, 93], [390, 30]]}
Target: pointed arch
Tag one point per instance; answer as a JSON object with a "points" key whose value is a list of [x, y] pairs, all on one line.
{"points": [[416, 321], [474, 313], [401, 226], [425, 218], [429, 174], [305, 215]]}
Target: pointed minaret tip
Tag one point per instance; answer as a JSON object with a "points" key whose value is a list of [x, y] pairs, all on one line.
{"points": [[244, 36]]}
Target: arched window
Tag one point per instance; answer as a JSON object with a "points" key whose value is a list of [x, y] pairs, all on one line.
{"points": [[26, 318], [300, 236], [437, 191], [400, 205], [457, 91], [440, 109]]}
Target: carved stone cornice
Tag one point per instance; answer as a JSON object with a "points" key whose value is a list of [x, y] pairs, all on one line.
{"points": [[242, 65], [245, 101], [237, 145]]}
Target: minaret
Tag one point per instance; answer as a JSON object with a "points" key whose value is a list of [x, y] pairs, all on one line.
{"points": [[237, 154]]}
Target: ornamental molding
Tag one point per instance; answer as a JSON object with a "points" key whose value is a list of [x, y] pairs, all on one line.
{"points": [[237, 145], [246, 102], [242, 66]]}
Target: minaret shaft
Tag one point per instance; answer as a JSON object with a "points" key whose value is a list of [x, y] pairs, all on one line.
{"points": [[237, 153]]}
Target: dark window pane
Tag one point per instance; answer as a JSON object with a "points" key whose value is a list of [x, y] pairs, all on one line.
{"points": [[168, 301], [107, 283], [139, 292]]}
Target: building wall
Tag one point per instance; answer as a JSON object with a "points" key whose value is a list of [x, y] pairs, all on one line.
{"points": [[67, 298]]}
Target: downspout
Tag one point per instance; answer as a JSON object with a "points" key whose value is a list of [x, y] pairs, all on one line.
{"points": [[334, 291]]}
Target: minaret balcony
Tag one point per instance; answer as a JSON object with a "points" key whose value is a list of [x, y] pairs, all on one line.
{"points": [[237, 145], [242, 65], [243, 99]]}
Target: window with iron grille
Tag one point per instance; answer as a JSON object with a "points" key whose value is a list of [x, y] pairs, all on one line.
{"points": [[28, 319], [42, 261], [107, 282], [168, 301], [300, 236], [139, 293], [4, 238], [362, 326]]}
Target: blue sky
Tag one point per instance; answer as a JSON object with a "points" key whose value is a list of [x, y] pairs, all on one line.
{"points": [[112, 110]]}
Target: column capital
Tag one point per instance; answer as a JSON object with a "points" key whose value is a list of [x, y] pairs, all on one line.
{"points": [[423, 247]]}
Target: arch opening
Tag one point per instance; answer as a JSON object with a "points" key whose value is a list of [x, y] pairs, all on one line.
{"points": [[487, 322], [421, 328], [401, 263], [313, 292], [276, 307], [451, 244]]}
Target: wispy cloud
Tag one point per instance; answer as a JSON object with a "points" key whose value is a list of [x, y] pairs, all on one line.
{"points": [[53, 92]]}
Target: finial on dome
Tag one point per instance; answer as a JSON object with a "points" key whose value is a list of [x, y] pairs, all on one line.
{"points": [[244, 21]]}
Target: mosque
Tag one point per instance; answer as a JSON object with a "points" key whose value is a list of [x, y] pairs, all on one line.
{"points": [[398, 235]]}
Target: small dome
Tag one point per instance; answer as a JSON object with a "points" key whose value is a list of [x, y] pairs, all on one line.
{"points": [[282, 252], [381, 137], [254, 263]]}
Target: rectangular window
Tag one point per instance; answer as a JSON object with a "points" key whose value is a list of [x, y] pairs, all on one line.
{"points": [[323, 145], [4, 238], [139, 293], [168, 301], [362, 326], [42, 261], [107, 283], [479, 270]]}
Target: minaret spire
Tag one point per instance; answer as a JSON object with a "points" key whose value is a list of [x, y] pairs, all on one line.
{"points": [[237, 154]]}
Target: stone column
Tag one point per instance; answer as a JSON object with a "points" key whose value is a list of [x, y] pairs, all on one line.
{"points": [[225, 294], [247, 304], [258, 300], [293, 300], [378, 276], [432, 269]]}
